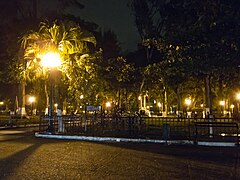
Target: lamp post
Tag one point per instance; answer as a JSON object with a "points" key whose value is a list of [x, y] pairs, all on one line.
{"points": [[188, 102], [238, 99], [51, 60], [160, 106], [108, 105], [1, 105], [31, 100], [222, 104]]}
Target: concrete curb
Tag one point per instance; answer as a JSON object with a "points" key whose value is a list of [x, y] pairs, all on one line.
{"points": [[113, 139]]}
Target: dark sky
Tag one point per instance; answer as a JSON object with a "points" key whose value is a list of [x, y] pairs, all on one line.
{"points": [[114, 15]]}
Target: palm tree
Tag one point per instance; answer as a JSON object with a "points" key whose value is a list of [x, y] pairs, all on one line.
{"points": [[64, 38]]}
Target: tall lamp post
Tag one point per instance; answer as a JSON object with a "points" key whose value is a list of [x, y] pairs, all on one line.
{"points": [[51, 61], [238, 99], [188, 103], [31, 100], [222, 105]]}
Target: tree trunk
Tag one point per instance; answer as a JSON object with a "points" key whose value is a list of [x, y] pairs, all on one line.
{"points": [[22, 110]]}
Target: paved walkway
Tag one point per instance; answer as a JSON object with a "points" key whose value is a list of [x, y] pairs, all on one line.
{"points": [[22, 156]]}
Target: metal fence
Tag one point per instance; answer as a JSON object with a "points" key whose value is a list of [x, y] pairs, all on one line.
{"points": [[171, 128]]}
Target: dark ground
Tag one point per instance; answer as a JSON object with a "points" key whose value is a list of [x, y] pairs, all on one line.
{"points": [[22, 156]]}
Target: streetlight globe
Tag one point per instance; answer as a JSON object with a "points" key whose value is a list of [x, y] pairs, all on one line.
{"points": [[222, 103], [31, 99], [51, 60], [188, 102], [139, 98], [108, 104], [238, 96]]}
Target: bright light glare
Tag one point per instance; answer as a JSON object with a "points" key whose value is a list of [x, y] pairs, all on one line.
{"points": [[108, 104], [159, 104], [232, 106], [32, 99], [51, 60], [1, 103], [222, 103], [188, 102], [238, 96]]}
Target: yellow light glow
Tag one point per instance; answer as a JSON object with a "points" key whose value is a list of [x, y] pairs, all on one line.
{"points": [[51, 60], [108, 104], [201, 105], [232, 106], [238, 96], [1, 103], [188, 102], [139, 98], [159, 104], [81, 96], [31, 99], [55, 105], [222, 103]]}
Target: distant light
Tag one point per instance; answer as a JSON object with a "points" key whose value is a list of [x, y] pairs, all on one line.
{"points": [[139, 98], [159, 104], [222, 103], [201, 105], [232, 106], [238, 96], [31, 99], [108, 104], [154, 101], [1, 103], [188, 102], [223, 134], [51, 60], [55, 105], [81, 96]]}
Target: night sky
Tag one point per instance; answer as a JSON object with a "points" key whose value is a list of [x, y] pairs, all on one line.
{"points": [[114, 15]]}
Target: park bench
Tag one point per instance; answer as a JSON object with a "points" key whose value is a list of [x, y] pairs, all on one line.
{"points": [[217, 131]]}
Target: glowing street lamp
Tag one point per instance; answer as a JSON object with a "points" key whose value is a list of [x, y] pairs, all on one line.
{"points": [[238, 96], [56, 106], [188, 102], [108, 104], [232, 107], [1, 104], [160, 106], [81, 96], [51, 60], [222, 104], [32, 99]]}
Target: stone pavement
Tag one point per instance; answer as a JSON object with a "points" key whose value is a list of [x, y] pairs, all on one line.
{"points": [[22, 156]]}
